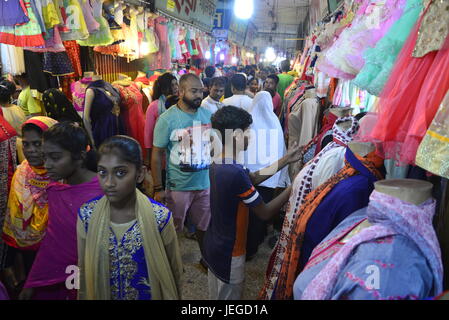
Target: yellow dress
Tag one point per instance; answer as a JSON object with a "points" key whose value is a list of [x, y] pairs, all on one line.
{"points": [[433, 152]]}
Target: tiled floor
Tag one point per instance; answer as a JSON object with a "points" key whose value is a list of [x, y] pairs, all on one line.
{"points": [[195, 281]]}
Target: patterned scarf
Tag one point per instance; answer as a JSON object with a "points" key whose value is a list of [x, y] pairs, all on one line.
{"points": [[390, 216], [290, 265], [341, 138]]}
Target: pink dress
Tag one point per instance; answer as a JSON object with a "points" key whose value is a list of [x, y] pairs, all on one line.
{"points": [[150, 122], [79, 94]]}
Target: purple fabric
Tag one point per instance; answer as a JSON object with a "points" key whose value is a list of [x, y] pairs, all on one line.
{"points": [[12, 13], [59, 246], [389, 216], [3, 292]]}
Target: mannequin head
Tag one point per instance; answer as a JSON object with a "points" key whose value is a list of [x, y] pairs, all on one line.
{"points": [[409, 190]]}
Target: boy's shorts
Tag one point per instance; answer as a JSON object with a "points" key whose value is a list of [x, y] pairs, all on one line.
{"points": [[195, 203]]}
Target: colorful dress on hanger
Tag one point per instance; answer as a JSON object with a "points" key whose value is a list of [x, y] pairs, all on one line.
{"points": [[74, 25], [103, 36], [400, 240], [380, 60], [12, 59], [410, 100], [161, 59], [374, 18], [105, 112], [24, 35], [13, 13], [131, 111], [57, 64], [433, 152]]}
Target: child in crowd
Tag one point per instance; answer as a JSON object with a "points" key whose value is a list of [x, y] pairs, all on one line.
{"points": [[232, 194], [127, 243], [67, 153], [27, 211]]}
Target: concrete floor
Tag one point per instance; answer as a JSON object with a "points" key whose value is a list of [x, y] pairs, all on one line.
{"points": [[195, 281]]}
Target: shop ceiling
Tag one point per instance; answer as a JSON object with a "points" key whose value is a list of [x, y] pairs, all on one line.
{"points": [[277, 22]]}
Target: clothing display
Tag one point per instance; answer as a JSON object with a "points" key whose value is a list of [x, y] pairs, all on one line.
{"points": [[327, 163], [400, 237], [131, 110], [105, 112], [321, 212]]}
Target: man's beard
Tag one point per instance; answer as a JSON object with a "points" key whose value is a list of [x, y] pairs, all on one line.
{"points": [[272, 92], [194, 104]]}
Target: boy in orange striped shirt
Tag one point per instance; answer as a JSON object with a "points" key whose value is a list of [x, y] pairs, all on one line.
{"points": [[232, 193]]}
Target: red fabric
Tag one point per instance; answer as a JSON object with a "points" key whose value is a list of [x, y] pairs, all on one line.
{"points": [[409, 101], [22, 41], [73, 51], [329, 119]]}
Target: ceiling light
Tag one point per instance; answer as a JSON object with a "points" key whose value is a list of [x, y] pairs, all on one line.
{"points": [[243, 9]]}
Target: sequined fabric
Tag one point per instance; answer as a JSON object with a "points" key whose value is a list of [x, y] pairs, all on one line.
{"points": [[434, 29], [433, 152]]}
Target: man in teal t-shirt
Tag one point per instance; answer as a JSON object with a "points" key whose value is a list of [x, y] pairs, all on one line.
{"points": [[284, 79], [183, 133]]}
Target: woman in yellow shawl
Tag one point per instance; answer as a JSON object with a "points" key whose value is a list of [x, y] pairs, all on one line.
{"points": [[127, 243], [26, 214]]}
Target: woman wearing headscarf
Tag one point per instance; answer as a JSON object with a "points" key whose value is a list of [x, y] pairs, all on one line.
{"points": [[27, 210], [265, 147]]}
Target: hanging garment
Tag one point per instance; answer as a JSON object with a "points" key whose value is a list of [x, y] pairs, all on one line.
{"points": [[105, 112], [400, 239], [380, 60], [433, 152], [24, 35], [58, 107], [13, 13], [73, 51], [410, 100], [57, 64], [74, 25], [131, 111], [103, 36], [323, 209], [93, 25], [303, 121], [12, 59], [328, 162]]}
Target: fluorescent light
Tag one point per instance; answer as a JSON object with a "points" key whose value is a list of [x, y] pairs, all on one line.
{"points": [[222, 56], [207, 55], [234, 60], [243, 9]]}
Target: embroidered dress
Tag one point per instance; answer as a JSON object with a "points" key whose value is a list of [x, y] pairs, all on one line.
{"points": [[79, 94], [129, 278], [12, 13], [131, 111], [103, 36]]}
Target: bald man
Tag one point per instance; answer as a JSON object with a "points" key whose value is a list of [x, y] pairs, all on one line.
{"points": [[178, 135]]}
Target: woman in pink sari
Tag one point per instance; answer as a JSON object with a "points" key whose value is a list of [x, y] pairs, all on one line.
{"points": [[66, 148]]}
